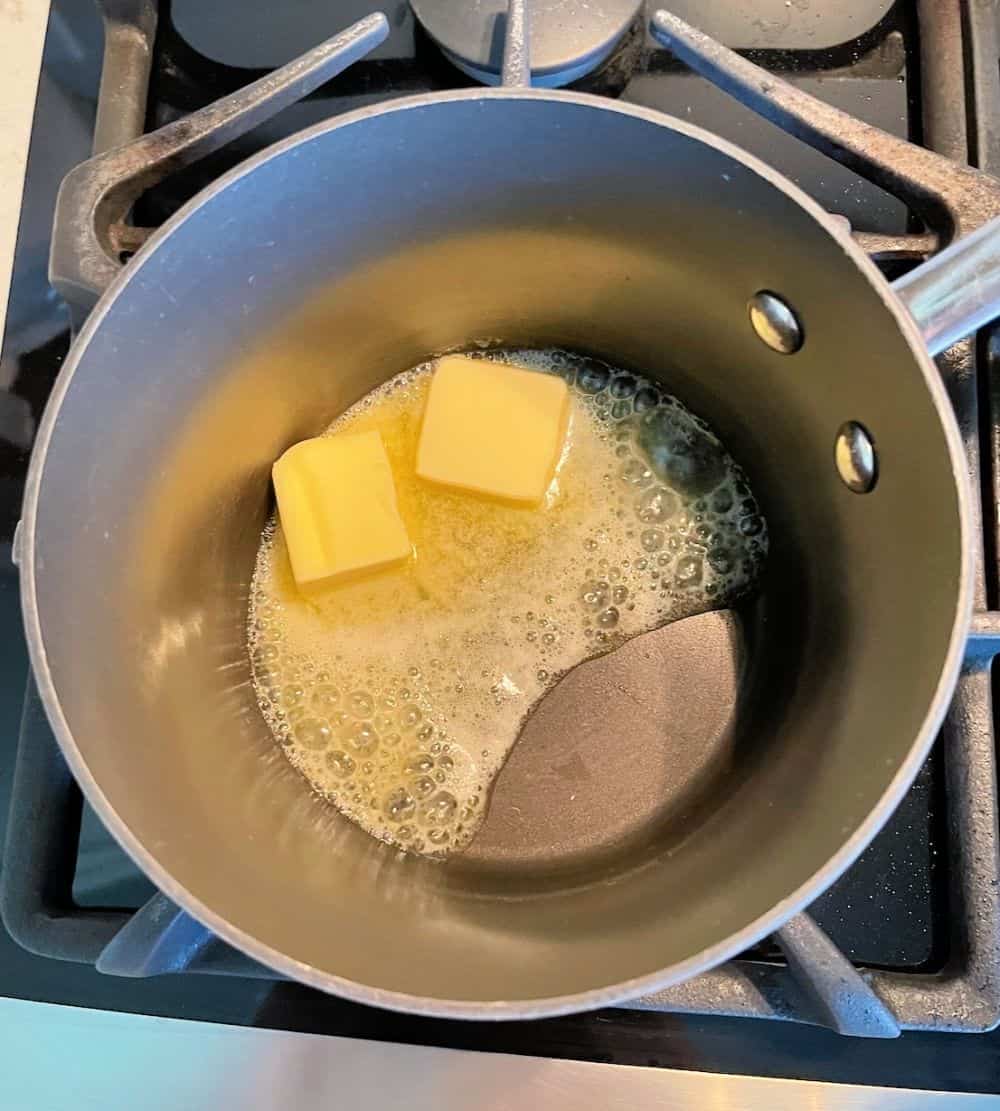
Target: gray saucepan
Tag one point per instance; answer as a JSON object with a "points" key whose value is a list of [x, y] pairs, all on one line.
{"points": [[313, 272]]}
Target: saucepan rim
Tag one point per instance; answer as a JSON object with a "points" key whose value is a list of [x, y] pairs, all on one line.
{"points": [[593, 997]]}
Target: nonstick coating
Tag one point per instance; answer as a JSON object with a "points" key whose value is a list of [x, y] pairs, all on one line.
{"points": [[306, 277]]}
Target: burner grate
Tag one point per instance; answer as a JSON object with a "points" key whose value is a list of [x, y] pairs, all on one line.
{"points": [[949, 977]]}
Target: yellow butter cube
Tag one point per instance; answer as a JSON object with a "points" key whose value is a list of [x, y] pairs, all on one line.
{"points": [[337, 503], [493, 429]]}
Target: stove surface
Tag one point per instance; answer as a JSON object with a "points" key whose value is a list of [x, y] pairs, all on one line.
{"points": [[893, 910]]}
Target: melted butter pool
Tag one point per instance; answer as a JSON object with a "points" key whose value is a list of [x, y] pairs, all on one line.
{"points": [[400, 695]]}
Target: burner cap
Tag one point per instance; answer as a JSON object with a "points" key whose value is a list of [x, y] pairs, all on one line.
{"points": [[567, 38]]}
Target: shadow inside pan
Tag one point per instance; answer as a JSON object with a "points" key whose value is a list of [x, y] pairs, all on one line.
{"points": [[618, 755]]}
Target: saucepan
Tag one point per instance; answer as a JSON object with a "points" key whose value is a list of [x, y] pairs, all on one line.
{"points": [[320, 267]]}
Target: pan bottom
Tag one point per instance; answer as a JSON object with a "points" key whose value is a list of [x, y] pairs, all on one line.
{"points": [[619, 756]]}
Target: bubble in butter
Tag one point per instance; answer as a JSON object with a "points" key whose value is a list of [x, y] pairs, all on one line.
{"points": [[399, 696]]}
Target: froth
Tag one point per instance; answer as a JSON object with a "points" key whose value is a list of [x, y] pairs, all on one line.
{"points": [[400, 696]]}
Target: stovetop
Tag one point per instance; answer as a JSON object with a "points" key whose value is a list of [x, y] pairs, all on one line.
{"points": [[904, 66]]}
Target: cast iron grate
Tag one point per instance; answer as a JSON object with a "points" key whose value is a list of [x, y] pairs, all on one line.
{"points": [[932, 874]]}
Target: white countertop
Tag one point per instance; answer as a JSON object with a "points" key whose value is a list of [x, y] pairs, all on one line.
{"points": [[22, 34]]}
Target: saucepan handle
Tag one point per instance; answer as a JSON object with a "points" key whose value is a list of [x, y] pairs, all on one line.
{"points": [[957, 291]]}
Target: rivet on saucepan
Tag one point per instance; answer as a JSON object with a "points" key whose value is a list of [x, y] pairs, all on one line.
{"points": [[775, 322], [854, 453]]}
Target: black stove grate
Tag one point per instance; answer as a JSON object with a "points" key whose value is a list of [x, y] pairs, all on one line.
{"points": [[918, 911]]}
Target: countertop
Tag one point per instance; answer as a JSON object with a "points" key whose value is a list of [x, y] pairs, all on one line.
{"points": [[22, 33]]}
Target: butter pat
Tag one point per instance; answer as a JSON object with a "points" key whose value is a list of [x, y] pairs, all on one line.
{"points": [[337, 503], [493, 429]]}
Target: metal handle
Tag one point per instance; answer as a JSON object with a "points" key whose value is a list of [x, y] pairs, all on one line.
{"points": [[957, 291], [95, 198]]}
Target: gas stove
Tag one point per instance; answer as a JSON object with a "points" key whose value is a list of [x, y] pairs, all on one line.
{"points": [[912, 931]]}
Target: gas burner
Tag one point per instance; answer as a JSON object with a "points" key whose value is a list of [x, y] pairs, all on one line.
{"points": [[569, 38]]}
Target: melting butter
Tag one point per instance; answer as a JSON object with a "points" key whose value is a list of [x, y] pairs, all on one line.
{"points": [[400, 695]]}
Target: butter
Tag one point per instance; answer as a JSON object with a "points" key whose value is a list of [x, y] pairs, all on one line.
{"points": [[493, 429], [337, 504]]}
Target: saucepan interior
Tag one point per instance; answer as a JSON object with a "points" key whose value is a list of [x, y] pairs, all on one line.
{"points": [[336, 260]]}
